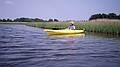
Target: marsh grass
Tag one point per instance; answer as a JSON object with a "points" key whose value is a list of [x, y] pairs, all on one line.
{"points": [[13, 22], [99, 27], [7, 22]]}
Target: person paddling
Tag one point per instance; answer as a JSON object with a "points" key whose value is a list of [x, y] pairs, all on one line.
{"points": [[71, 26]]}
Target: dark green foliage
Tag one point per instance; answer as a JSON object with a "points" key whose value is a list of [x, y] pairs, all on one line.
{"points": [[38, 20], [55, 20], [27, 20], [105, 16], [118, 16], [0, 20], [9, 20], [50, 20], [23, 20], [4, 20], [112, 16]]}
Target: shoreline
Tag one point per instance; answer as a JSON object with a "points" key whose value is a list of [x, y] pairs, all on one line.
{"points": [[96, 27]]}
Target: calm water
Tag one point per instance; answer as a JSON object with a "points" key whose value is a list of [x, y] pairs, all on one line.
{"points": [[24, 46]]}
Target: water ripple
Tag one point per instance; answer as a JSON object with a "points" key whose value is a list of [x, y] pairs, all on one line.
{"points": [[24, 46]]}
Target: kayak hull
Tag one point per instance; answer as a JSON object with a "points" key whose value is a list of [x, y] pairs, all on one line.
{"points": [[63, 32], [59, 35]]}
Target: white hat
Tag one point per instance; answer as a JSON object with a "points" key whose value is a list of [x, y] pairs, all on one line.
{"points": [[72, 22]]}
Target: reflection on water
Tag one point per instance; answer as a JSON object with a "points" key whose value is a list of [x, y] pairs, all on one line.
{"points": [[70, 37], [23, 46], [78, 35]]}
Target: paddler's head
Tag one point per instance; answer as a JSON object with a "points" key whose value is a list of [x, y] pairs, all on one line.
{"points": [[72, 23]]}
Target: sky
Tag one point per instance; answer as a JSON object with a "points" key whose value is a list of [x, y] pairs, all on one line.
{"points": [[59, 9]]}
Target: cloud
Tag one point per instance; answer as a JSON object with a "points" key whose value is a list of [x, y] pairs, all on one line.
{"points": [[9, 2]]}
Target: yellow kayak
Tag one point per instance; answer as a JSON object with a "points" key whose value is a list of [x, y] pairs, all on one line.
{"points": [[63, 32]]}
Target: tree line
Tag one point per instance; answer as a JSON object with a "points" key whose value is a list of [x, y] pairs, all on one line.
{"points": [[105, 16], [95, 16], [28, 20]]}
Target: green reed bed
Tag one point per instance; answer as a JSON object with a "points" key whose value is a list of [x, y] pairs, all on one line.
{"points": [[7, 22], [103, 27], [100, 27], [49, 25], [13, 22]]}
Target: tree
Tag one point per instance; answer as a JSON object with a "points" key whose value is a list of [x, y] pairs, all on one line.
{"points": [[0, 20], [112, 16], [23, 19], [50, 20], [105, 16], [16, 20], [9, 20], [118, 16], [4, 20], [55, 20], [38, 20], [95, 16], [99, 16], [92, 17]]}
